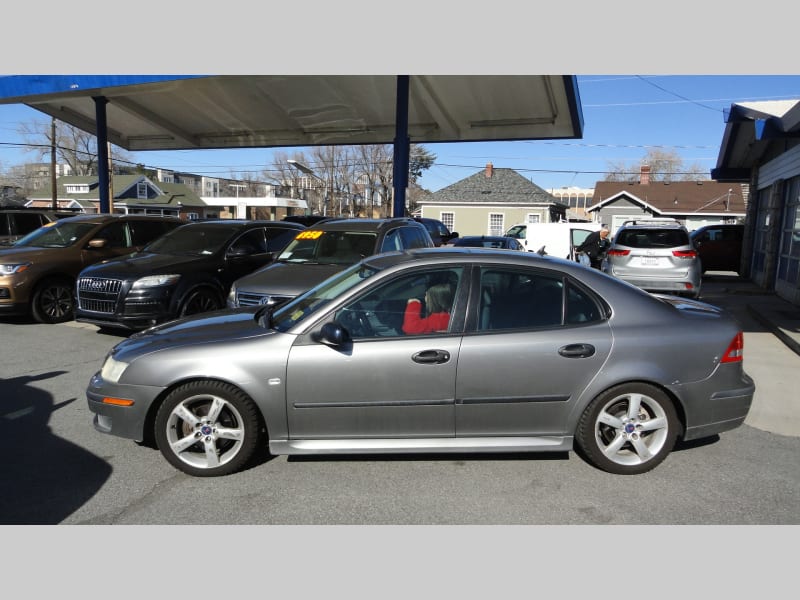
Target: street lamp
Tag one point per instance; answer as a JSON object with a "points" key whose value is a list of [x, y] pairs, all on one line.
{"points": [[309, 171]]}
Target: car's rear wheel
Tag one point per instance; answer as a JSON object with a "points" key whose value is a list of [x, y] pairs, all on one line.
{"points": [[208, 428], [199, 301], [629, 429], [53, 301]]}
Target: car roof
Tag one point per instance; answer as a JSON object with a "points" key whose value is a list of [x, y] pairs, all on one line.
{"points": [[366, 225], [108, 218], [241, 223]]}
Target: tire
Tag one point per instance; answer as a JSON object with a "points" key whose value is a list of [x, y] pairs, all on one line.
{"points": [[199, 301], [208, 429], [53, 301], [613, 439]]}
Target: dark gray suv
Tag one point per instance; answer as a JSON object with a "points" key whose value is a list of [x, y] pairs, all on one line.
{"points": [[320, 251]]}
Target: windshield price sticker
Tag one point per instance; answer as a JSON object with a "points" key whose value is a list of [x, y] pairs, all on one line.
{"points": [[308, 235]]}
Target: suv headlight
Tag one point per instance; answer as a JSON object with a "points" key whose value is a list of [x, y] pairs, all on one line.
{"points": [[11, 268], [232, 297], [113, 369], [155, 280]]}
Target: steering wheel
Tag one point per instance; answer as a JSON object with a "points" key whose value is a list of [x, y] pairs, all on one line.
{"points": [[357, 323]]}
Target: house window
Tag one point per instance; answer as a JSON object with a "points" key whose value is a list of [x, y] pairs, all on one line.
{"points": [[75, 188], [496, 221], [193, 216], [448, 219], [141, 190], [533, 217]]}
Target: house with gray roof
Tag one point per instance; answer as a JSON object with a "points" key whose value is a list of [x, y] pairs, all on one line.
{"points": [[491, 201], [133, 194]]}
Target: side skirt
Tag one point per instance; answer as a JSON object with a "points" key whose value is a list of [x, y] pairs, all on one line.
{"points": [[422, 445]]}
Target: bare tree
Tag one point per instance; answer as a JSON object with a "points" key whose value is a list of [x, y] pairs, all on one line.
{"points": [[665, 165], [74, 147]]}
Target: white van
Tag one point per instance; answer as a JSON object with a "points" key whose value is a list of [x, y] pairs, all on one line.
{"points": [[557, 239]]}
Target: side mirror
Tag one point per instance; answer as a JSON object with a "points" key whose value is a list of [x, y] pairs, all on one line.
{"points": [[333, 334], [97, 243], [453, 235]]}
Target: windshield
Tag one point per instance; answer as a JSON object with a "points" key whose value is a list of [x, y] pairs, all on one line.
{"points": [[59, 234], [329, 247], [193, 240], [290, 314], [517, 232]]}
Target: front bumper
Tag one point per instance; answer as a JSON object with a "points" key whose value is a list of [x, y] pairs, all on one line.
{"points": [[122, 421]]}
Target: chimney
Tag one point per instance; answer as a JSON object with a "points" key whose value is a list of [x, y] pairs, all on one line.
{"points": [[644, 175], [489, 169]]}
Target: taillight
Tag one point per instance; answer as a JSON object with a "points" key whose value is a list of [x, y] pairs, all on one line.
{"points": [[684, 253], [735, 351], [618, 252]]}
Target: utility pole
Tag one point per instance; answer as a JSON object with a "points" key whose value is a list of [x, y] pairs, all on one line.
{"points": [[53, 164]]}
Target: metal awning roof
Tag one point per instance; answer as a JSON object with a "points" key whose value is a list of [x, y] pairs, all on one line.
{"points": [[750, 128], [180, 112], [244, 111]]}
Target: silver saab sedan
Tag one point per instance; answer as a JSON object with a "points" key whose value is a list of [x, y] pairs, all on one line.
{"points": [[433, 351]]}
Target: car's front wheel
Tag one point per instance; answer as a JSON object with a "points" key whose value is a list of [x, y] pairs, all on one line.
{"points": [[53, 301], [208, 428], [629, 429], [199, 301]]}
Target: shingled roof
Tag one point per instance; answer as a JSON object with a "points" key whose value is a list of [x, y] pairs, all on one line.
{"points": [[674, 198], [493, 186], [124, 186]]}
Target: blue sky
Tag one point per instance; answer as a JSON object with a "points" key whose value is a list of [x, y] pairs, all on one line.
{"points": [[624, 117]]}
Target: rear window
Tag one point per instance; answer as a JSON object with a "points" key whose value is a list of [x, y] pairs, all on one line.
{"points": [[652, 238]]}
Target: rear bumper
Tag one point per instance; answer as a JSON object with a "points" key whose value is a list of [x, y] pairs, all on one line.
{"points": [[719, 411]]}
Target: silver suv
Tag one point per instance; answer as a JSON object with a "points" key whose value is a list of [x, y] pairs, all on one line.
{"points": [[655, 255]]}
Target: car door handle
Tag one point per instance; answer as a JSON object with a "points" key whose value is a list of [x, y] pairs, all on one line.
{"points": [[431, 357], [576, 351]]}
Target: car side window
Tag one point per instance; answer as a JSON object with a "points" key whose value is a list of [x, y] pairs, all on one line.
{"points": [[392, 241], [144, 232], [115, 234], [384, 311], [250, 242], [519, 299], [412, 238]]}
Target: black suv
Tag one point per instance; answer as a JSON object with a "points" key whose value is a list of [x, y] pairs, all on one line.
{"points": [[322, 250], [185, 272], [438, 231], [17, 222]]}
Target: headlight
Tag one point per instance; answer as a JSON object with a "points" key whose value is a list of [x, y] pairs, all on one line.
{"points": [[155, 280], [11, 268], [113, 369]]}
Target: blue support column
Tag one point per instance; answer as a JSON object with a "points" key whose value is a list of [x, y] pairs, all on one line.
{"points": [[402, 148], [102, 152]]}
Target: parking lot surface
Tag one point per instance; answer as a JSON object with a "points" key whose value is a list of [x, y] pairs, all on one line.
{"points": [[59, 470]]}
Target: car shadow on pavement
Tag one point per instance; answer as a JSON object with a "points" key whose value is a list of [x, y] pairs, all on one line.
{"points": [[44, 477]]}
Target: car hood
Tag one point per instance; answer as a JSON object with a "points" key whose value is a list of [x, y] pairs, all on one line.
{"points": [[145, 263], [287, 279], [206, 328]]}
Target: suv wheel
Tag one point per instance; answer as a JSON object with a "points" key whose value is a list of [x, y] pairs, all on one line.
{"points": [[53, 301]]}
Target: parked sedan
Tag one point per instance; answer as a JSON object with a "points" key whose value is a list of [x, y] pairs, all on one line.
{"points": [[188, 271], [535, 354], [488, 241]]}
